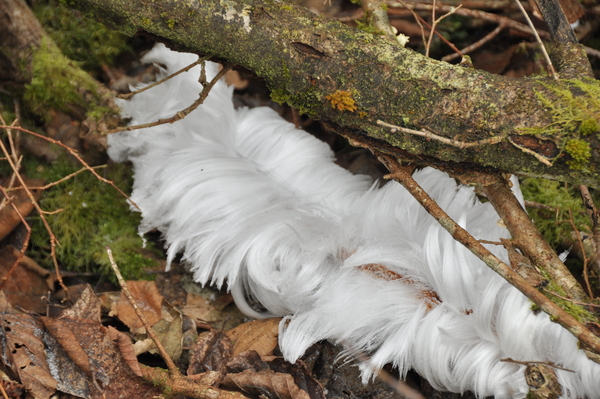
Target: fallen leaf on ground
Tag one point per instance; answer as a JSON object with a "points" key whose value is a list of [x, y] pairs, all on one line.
{"points": [[24, 353], [148, 300], [258, 335], [27, 284], [9, 219], [266, 382]]}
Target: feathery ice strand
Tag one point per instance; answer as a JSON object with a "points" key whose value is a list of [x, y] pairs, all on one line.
{"points": [[252, 201]]}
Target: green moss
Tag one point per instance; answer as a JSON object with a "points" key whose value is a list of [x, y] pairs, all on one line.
{"points": [[94, 215], [57, 82], [577, 311], [80, 39], [553, 223], [580, 152], [171, 23], [575, 109], [589, 126]]}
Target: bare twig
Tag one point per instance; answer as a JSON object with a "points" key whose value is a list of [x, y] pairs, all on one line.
{"points": [[57, 182], [539, 40], [571, 300], [53, 239], [418, 19], [184, 69], [183, 113], [435, 22], [527, 363], [477, 44], [402, 174], [537, 205], [74, 153], [161, 349], [486, 16], [445, 140]]}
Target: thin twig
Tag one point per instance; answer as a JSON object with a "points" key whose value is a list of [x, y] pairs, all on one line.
{"points": [[53, 239], [445, 140], [161, 349], [477, 44], [571, 300], [185, 69], [181, 114], [539, 40], [76, 155], [418, 19], [486, 16], [403, 176], [433, 25], [528, 363], [47, 186]]}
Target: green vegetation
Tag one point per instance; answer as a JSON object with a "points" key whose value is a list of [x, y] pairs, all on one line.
{"points": [[56, 83], [573, 117], [80, 39], [93, 216], [553, 224]]}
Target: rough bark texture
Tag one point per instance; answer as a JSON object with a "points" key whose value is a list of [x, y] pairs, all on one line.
{"points": [[18, 34], [305, 58]]}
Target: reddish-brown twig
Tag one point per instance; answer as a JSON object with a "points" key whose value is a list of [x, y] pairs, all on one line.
{"points": [[184, 69], [74, 153], [183, 113], [479, 43]]}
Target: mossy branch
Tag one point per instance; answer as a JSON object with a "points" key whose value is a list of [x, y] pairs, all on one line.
{"points": [[305, 58]]}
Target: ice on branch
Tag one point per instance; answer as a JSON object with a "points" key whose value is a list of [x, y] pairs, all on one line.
{"points": [[255, 203]]}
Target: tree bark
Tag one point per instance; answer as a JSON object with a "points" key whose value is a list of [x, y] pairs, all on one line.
{"points": [[305, 58]]}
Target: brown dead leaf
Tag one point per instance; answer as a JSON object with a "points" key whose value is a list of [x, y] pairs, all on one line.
{"points": [[28, 282], [24, 353], [65, 337], [69, 377], [303, 379], [266, 382], [148, 300], [249, 360], [109, 371], [169, 330], [88, 306], [211, 352], [258, 335], [9, 219], [125, 346], [200, 309]]}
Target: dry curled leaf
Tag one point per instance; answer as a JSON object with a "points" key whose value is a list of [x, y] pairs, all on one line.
{"points": [[258, 335], [265, 382], [24, 353], [9, 218], [148, 300]]}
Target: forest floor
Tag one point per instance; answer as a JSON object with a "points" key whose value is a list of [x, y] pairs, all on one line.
{"points": [[69, 329]]}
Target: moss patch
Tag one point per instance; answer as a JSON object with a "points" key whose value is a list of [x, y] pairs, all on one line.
{"points": [[575, 109], [58, 83], [93, 216], [80, 39], [552, 223]]}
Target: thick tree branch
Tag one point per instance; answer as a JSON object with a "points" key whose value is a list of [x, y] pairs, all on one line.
{"points": [[305, 58]]}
